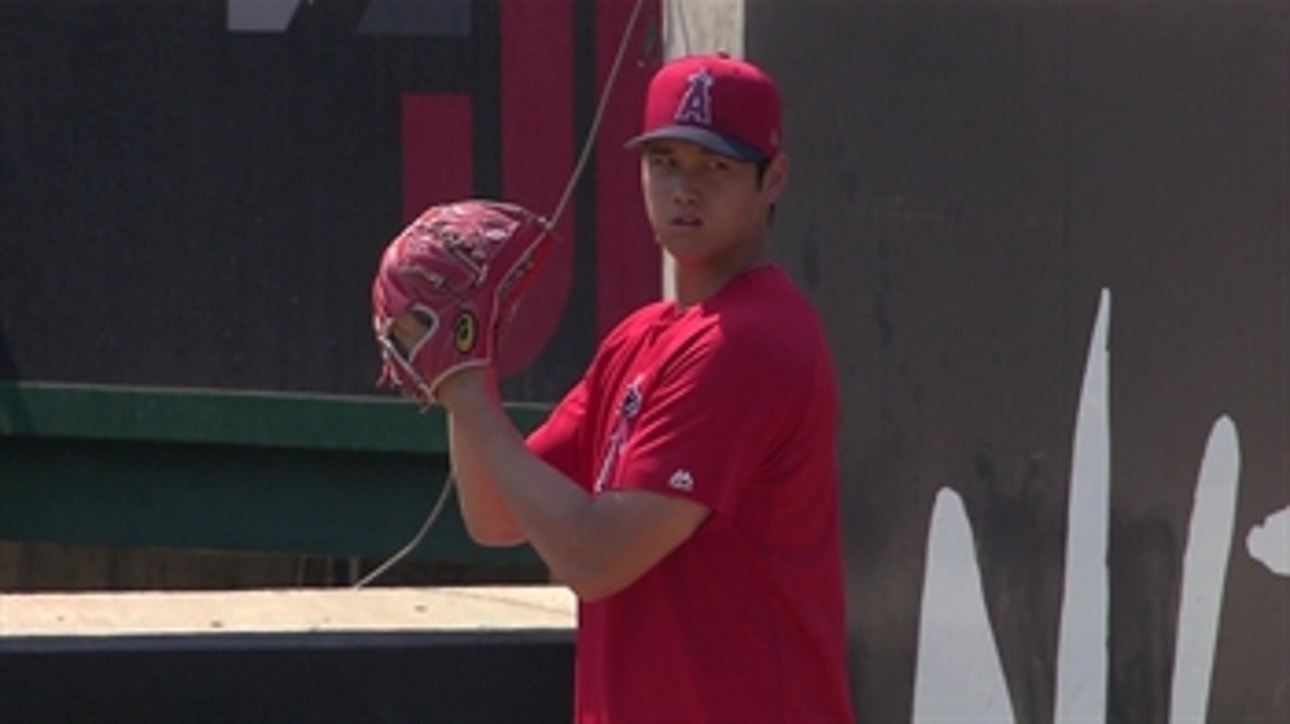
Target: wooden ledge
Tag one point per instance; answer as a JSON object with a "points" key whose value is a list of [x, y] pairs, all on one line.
{"points": [[470, 609]]}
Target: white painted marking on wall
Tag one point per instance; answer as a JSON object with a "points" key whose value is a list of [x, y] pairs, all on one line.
{"points": [[1269, 542], [959, 677], [1209, 543], [1082, 638]]}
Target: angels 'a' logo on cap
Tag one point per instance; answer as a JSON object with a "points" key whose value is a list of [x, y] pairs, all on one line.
{"points": [[696, 104]]}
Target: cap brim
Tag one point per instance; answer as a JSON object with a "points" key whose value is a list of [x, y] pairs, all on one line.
{"points": [[710, 140]]}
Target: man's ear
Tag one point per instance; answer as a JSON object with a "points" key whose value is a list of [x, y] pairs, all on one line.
{"points": [[775, 178]]}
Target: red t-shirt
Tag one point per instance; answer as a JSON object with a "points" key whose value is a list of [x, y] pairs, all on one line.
{"points": [[732, 403]]}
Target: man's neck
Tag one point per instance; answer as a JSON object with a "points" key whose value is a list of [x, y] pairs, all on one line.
{"points": [[696, 283]]}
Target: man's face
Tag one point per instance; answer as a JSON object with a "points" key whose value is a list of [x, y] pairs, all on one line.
{"points": [[704, 207]]}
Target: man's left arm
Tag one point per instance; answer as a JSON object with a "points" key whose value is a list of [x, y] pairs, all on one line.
{"points": [[595, 545]]}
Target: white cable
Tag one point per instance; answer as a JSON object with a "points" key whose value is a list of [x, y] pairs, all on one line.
{"points": [[416, 539], [600, 112], [585, 153]]}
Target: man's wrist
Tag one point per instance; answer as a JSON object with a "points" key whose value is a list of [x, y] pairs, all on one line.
{"points": [[464, 386]]}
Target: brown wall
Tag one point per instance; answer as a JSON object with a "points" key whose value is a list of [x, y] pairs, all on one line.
{"points": [[968, 180]]}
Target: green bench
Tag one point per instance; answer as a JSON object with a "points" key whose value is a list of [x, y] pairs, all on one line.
{"points": [[230, 470]]}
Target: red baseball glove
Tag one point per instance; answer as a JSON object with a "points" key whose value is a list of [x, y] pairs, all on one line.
{"points": [[461, 269]]}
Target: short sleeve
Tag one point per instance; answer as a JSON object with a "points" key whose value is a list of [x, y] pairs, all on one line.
{"points": [[559, 439], [710, 419]]}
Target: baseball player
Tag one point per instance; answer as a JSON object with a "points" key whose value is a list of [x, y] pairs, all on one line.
{"points": [[686, 488]]}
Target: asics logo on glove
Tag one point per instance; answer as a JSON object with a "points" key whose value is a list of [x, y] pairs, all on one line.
{"points": [[467, 332]]}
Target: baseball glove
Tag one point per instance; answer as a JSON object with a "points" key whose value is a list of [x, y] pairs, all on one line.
{"points": [[461, 269]]}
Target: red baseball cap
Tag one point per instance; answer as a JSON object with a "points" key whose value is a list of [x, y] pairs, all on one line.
{"points": [[728, 106]]}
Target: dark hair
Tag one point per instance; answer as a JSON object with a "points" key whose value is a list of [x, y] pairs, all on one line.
{"points": [[762, 166]]}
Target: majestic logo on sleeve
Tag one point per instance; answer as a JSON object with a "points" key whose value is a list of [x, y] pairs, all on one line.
{"points": [[681, 480], [696, 104]]}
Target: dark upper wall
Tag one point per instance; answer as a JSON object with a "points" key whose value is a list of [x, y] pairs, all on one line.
{"points": [[196, 197]]}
